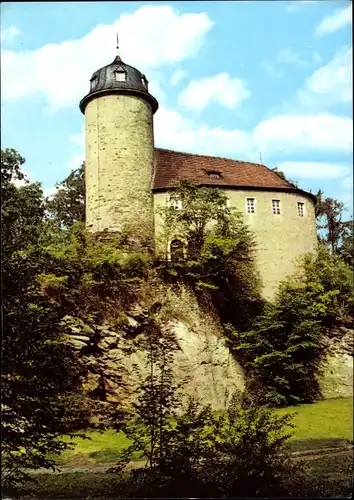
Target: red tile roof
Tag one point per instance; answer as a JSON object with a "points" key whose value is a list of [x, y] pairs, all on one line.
{"points": [[171, 167]]}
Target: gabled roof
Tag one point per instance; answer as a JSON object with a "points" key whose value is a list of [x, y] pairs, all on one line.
{"points": [[172, 167]]}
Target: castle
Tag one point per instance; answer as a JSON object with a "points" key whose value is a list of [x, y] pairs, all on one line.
{"points": [[127, 178]]}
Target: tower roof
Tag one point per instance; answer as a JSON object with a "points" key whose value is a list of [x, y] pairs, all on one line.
{"points": [[118, 78]]}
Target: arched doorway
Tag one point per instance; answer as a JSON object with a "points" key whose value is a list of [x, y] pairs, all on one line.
{"points": [[177, 250]]}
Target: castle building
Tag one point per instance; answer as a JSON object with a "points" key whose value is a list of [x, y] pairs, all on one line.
{"points": [[127, 178]]}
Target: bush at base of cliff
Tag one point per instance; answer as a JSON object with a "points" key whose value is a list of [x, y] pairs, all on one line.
{"points": [[189, 450], [283, 351]]}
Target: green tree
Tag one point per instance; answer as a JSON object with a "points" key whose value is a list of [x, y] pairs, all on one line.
{"points": [[38, 371], [283, 350], [67, 205], [346, 250], [329, 213], [219, 248], [191, 450]]}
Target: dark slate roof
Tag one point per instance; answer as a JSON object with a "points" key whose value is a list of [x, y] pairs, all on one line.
{"points": [[172, 167], [107, 83]]}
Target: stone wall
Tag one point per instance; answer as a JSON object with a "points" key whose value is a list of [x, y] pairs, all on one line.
{"points": [[119, 165], [337, 366], [280, 239]]}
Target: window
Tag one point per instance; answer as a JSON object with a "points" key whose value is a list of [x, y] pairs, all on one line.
{"points": [[144, 81], [250, 205], [177, 250], [174, 202], [276, 207], [214, 175], [120, 76], [300, 209], [94, 82]]}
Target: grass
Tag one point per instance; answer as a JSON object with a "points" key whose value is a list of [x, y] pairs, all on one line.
{"points": [[100, 448], [332, 418], [320, 425], [324, 424]]}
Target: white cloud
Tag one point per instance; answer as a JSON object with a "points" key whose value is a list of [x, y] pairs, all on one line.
{"points": [[335, 22], [293, 6], [293, 134], [313, 170], [178, 76], [174, 131], [21, 182], [331, 83], [9, 33], [76, 161], [150, 39], [78, 139], [221, 89], [50, 192]]}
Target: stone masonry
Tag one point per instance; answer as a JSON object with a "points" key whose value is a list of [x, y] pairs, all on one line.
{"points": [[119, 165]]}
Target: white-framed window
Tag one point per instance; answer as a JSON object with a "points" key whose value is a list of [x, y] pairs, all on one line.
{"points": [[174, 202], [121, 76], [276, 207], [300, 209], [214, 175], [227, 203], [250, 205], [94, 82], [144, 81]]}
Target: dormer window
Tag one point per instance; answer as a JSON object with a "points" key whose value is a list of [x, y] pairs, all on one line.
{"points": [[94, 82], [121, 75], [144, 81], [214, 175]]}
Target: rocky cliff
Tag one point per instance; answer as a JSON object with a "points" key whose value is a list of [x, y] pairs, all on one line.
{"points": [[337, 365], [114, 359]]}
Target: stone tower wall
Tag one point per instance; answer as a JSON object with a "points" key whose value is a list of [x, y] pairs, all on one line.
{"points": [[119, 165], [280, 239]]}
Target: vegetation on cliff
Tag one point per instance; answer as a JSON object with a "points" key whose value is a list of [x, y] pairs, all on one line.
{"points": [[59, 281]]}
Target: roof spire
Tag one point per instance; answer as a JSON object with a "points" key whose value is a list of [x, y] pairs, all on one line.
{"points": [[117, 45]]}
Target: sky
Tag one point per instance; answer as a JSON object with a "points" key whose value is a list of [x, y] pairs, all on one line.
{"points": [[267, 81]]}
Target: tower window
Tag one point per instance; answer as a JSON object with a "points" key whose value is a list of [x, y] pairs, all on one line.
{"points": [[250, 205], [121, 76], [144, 81], [227, 203], [300, 209], [94, 82], [276, 207]]}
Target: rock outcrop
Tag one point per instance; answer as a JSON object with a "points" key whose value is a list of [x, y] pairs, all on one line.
{"points": [[337, 366], [114, 359]]}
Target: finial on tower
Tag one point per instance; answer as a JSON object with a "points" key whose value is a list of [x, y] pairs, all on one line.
{"points": [[117, 45]]}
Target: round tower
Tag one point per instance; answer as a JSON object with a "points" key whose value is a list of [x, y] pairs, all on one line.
{"points": [[119, 151]]}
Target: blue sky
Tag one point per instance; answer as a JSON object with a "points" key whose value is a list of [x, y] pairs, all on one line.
{"points": [[234, 79]]}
